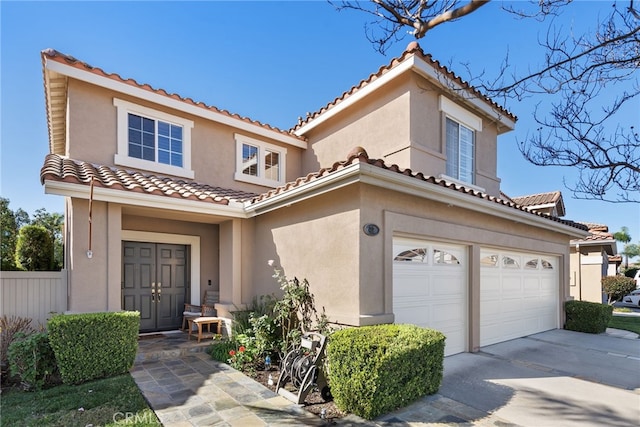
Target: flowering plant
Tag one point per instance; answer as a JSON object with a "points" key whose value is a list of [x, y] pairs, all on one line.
{"points": [[241, 358]]}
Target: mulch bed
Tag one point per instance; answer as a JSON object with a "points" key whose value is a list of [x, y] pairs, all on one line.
{"points": [[314, 402]]}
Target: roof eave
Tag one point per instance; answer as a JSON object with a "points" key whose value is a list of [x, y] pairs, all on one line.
{"points": [[420, 66], [610, 244], [51, 65], [55, 92], [373, 175], [82, 191]]}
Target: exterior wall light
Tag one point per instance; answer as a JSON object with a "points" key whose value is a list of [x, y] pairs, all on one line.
{"points": [[371, 229]]}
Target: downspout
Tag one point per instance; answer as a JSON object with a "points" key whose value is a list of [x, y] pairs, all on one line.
{"points": [[579, 272]]}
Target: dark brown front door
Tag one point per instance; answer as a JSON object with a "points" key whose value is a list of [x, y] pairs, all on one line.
{"points": [[154, 281]]}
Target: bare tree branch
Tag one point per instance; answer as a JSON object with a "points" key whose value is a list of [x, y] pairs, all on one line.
{"points": [[390, 17], [585, 81]]}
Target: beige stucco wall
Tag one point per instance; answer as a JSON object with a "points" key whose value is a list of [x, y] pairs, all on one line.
{"points": [[350, 273], [586, 283], [317, 240], [95, 283], [379, 123], [402, 124], [92, 129]]}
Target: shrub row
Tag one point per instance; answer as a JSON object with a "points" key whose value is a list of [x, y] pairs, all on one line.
{"points": [[76, 348], [94, 345], [584, 316], [374, 370]]}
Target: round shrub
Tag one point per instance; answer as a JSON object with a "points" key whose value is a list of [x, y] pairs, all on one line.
{"points": [[374, 370]]}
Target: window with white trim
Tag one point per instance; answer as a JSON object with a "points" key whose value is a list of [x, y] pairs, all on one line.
{"points": [[259, 162], [460, 152], [460, 139], [153, 140]]}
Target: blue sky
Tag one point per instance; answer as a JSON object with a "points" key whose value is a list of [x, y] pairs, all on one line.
{"points": [[269, 61]]}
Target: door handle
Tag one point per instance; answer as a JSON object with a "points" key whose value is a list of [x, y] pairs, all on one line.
{"points": [[159, 291], [153, 294]]}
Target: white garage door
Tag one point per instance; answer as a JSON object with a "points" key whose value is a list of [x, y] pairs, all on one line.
{"points": [[518, 295], [430, 289]]}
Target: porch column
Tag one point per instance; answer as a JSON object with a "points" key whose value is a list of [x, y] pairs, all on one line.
{"points": [[230, 267], [114, 257]]}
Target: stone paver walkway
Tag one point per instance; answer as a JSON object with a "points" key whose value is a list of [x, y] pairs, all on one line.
{"points": [[194, 390], [185, 387]]}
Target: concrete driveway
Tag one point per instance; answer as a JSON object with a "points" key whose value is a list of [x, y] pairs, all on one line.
{"points": [[555, 378]]}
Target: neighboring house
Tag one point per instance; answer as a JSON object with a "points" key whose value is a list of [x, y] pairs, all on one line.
{"points": [[591, 258], [387, 200], [548, 203]]}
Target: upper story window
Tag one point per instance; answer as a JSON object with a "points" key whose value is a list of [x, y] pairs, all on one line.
{"points": [[259, 162], [460, 141], [460, 152], [153, 140]]}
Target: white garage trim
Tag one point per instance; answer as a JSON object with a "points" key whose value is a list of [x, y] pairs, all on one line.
{"points": [[518, 294], [430, 282]]}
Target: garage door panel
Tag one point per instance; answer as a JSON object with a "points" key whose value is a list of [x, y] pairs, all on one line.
{"points": [[408, 314], [431, 290], [412, 286], [518, 295]]}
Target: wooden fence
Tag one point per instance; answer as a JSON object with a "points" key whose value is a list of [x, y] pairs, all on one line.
{"points": [[33, 294]]}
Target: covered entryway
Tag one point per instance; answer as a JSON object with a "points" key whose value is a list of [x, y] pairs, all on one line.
{"points": [[430, 288], [518, 294], [154, 282]]}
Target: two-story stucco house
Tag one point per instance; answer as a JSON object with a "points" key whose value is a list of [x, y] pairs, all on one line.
{"points": [[387, 200], [590, 262]]}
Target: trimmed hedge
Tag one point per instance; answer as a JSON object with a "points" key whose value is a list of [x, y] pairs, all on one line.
{"points": [[374, 370], [590, 317], [94, 345]]}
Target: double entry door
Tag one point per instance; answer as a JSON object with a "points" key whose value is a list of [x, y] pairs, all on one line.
{"points": [[154, 282]]}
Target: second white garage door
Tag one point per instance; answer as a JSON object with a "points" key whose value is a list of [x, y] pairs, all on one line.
{"points": [[518, 295], [430, 289]]}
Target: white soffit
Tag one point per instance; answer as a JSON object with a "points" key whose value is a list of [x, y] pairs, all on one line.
{"points": [[80, 191]]}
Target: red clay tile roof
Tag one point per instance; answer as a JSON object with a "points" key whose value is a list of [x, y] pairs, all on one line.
{"points": [[592, 226], [62, 58], [597, 233], [58, 168], [538, 199], [413, 49], [507, 198], [359, 155], [532, 200], [596, 236]]}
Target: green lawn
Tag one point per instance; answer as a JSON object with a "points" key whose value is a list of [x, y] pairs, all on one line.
{"points": [[113, 401], [627, 323]]}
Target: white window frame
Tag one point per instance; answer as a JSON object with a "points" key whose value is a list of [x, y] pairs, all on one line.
{"points": [[467, 119], [122, 155], [262, 147]]}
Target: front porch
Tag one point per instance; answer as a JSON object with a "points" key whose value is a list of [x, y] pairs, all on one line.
{"points": [[169, 345]]}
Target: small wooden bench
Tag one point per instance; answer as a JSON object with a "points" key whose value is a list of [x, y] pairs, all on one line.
{"points": [[201, 321]]}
